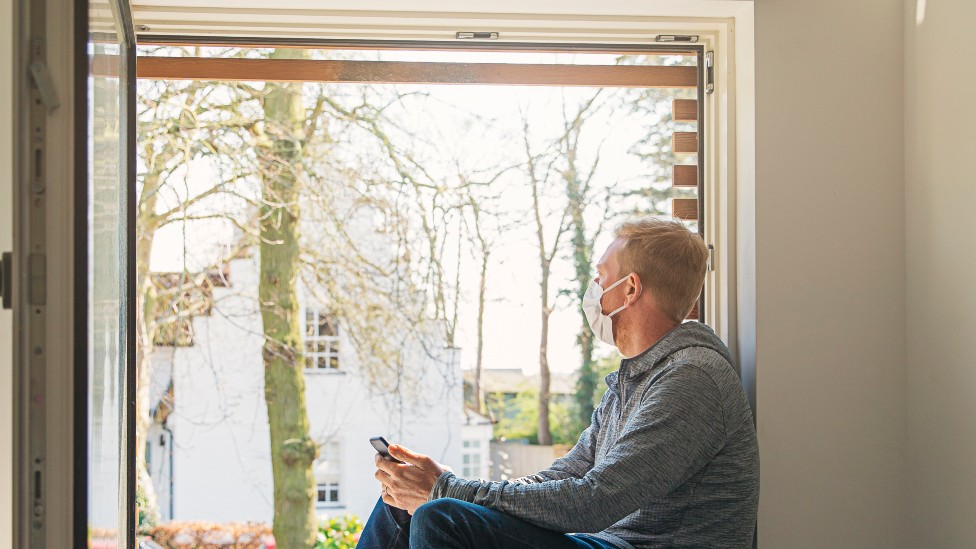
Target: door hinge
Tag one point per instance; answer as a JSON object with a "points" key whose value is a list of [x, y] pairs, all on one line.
{"points": [[7, 279], [710, 262], [709, 72]]}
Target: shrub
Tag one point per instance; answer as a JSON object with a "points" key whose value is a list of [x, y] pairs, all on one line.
{"points": [[208, 535], [339, 532]]}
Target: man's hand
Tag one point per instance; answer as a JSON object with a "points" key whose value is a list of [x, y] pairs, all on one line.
{"points": [[407, 485]]}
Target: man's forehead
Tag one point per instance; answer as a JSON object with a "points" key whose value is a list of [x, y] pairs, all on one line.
{"points": [[609, 258]]}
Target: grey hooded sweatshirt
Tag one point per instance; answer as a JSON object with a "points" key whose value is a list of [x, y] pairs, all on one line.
{"points": [[669, 460]]}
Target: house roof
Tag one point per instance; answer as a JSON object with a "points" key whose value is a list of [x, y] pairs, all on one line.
{"points": [[513, 380], [181, 296]]}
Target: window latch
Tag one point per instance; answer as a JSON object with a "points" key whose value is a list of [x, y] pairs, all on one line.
{"points": [[45, 85], [710, 262], [709, 72], [476, 36]]}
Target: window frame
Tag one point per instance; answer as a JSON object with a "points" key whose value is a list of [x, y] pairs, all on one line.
{"points": [[332, 343], [471, 448], [727, 23], [717, 136], [330, 453]]}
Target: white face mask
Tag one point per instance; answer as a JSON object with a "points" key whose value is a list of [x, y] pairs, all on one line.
{"points": [[600, 324]]}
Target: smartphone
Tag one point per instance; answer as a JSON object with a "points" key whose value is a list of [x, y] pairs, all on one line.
{"points": [[383, 448]]}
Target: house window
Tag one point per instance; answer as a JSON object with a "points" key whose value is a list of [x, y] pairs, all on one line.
{"points": [[321, 341], [328, 476], [471, 459], [327, 493]]}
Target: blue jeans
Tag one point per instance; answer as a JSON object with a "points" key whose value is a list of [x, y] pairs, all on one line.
{"points": [[451, 523]]}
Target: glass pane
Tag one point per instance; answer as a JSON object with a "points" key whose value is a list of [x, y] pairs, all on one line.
{"points": [[327, 326], [107, 263]]}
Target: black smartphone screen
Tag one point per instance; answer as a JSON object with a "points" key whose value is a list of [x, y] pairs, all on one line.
{"points": [[383, 448]]}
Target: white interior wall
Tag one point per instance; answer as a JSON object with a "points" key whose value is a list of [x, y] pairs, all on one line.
{"points": [[940, 194], [830, 277], [6, 244]]}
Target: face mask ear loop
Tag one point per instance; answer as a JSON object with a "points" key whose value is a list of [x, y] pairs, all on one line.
{"points": [[615, 284], [612, 286]]}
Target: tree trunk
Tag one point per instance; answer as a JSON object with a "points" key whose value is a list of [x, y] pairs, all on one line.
{"points": [[545, 433], [292, 450], [583, 263], [148, 512], [479, 399], [545, 261]]}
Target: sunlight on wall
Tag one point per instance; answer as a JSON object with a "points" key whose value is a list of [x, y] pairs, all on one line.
{"points": [[919, 12]]}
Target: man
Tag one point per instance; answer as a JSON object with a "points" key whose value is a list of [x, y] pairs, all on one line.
{"points": [[669, 460]]}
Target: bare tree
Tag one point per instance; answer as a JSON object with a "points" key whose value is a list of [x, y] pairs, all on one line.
{"points": [[178, 123], [580, 195], [293, 451], [538, 168], [477, 205]]}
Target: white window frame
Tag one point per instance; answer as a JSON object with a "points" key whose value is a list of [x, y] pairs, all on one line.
{"points": [[469, 449], [330, 452], [312, 357], [725, 27], [328, 486]]}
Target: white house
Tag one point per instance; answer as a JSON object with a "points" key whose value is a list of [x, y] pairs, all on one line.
{"points": [[208, 446]]}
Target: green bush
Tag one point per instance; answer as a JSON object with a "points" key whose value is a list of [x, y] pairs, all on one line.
{"points": [[339, 532], [518, 417]]}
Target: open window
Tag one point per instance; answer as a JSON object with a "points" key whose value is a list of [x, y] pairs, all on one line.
{"points": [[663, 70]]}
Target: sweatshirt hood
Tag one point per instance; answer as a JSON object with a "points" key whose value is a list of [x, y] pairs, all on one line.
{"points": [[682, 336]]}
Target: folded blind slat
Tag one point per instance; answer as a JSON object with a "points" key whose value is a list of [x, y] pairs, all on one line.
{"points": [[684, 175], [403, 72], [684, 110], [684, 208], [685, 142]]}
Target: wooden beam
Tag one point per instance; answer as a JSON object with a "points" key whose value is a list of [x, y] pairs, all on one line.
{"points": [[398, 72], [684, 175], [684, 208], [685, 142], [684, 110]]}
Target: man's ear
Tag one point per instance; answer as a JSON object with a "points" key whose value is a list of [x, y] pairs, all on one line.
{"points": [[634, 288]]}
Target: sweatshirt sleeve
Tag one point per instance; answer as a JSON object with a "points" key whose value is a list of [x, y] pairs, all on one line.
{"points": [[675, 431]]}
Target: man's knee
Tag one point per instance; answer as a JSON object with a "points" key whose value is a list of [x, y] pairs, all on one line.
{"points": [[438, 511]]}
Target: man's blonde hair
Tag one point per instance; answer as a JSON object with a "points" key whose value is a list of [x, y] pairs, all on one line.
{"points": [[669, 259]]}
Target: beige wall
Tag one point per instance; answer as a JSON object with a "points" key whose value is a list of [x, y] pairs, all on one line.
{"points": [[830, 280], [940, 205], [6, 244]]}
